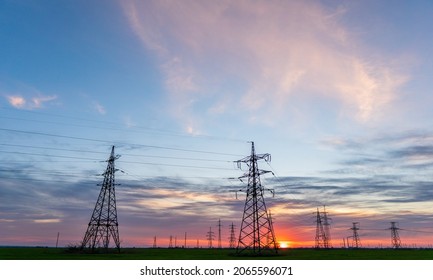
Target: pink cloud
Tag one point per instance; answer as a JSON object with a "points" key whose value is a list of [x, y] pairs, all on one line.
{"points": [[16, 101], [276, 50], [37, 102]]}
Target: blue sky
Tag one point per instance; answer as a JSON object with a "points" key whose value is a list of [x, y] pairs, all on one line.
{"points": [[338, 92]]}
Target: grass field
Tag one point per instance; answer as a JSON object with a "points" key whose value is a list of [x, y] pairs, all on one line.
{"points": [[212, 254]]}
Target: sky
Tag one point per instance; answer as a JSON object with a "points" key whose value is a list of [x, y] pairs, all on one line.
{"points": [[338, 92]]}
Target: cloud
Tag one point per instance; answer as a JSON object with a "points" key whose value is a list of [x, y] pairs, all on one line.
{"points": [[162, 206], [100, 109], [17, 101], [31, 103], [396, 153], [46, 221], [266, 57]]}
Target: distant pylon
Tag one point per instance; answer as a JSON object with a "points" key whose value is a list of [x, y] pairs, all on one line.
{"points": [[395, 238], [320, 233], [356, 243], [232, 239], [323, 236], [256, 225], [154, 242], [170, 244], [103, 224], [219, 234], [210, 236], [327, 225]]}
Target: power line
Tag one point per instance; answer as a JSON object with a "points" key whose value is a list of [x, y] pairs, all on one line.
{"points": [[134, 162], [420, 231], [47, 155], [43, 180], [51, 172], [123, 154], [111, 142], [159, 131], [176, 165]]}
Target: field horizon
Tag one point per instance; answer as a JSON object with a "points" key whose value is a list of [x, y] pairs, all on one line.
{"points": [[50, 253]]}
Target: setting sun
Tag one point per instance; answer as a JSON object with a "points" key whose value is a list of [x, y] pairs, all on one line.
{"points": [[284, 244]]}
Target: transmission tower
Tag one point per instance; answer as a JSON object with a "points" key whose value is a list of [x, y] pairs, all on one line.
{"points": [[232, 239], [320, 233], [323, 239], [170, 244], [327, 225], [154, 242], [256, 225], [103, 224], [219, 234], [356, 243], [395, 238], [210, 236]]}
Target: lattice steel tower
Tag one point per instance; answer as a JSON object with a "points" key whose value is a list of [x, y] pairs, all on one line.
{"points": [[323, 235], [395, 238], [103, 224], [320, 232], [170, 243], [219, 234], [327, 225], [210, 236], [232, 239], [256, 226], [154, 242], [356, 243]]}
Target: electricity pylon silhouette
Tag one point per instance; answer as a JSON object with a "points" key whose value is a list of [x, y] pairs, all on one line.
{"points": [[256, 225], [170, 243], [219, 234], [326, 224], [320, 233], [323, 236], [395, 238], [210, 236], [154, 242], [103, 224], [356, 243], [232, 239]]}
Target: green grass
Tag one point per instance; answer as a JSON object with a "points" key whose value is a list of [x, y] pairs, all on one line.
{"points": [[32, 253]]}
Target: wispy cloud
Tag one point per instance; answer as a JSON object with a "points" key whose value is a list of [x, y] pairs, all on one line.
{"points": [[16, 101], [99, 108], [171, 206], [47, 221], [396, 152], [30, 103], [265, 57]]}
